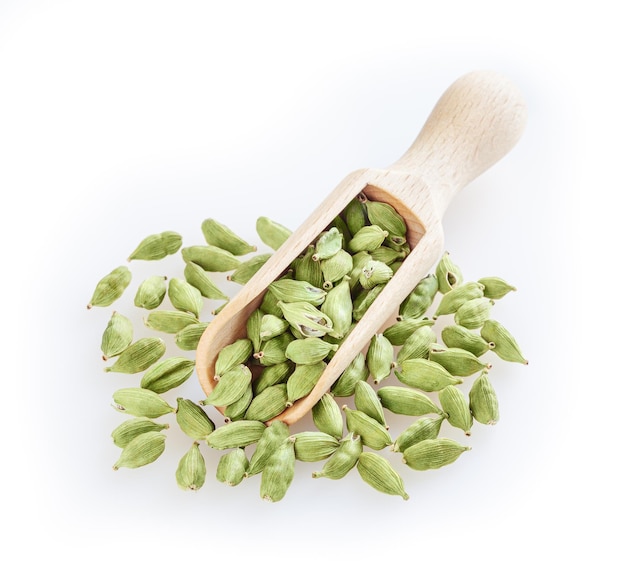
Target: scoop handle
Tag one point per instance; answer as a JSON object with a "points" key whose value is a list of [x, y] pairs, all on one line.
{"points": [[475, 123]]}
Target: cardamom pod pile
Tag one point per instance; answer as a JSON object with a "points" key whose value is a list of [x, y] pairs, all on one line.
{"points": [[409, 368]]}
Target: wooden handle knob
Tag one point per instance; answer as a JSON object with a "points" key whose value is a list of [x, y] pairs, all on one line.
{"points": [[477, 121]]}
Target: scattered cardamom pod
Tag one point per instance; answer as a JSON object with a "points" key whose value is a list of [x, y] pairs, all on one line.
{"points": [[378, 473], [273, 234], [327, 416], [131, 428], [138, 356], [496, 288], [473, 313], [366, 400], [426, 375], [406, 401], [210, 258], [247, 269], [273, 435], [431, 454], [110, 287], [372, 433], [457, 336], [188, 337], [483, 401], [117, 336], [504, 344], [169, 321], [191, 470], [279, 471], [457, 296], [457, 361], [232, 467], [141, 403], [151, 292], [167, 374], [356, 371], [313, 446], [218, 235], [422, 429], [143, 449], [193, 420], [448, 274], [157, 246], [343, 459], [201, 280], [457, 408], [380, 358], [235, 434]]}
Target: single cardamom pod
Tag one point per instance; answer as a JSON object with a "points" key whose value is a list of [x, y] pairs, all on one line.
{"points": [[273, 234], [378, 473], [271, 375], [457, 336], [199, 278], [131, 428], [210, 258], [169, 321], [367, 238], [279, 471], [327, 416], [193, 420], [483, 401], [151, 292], [143, 449], [374, 273], [457, 361], [356, 371], [290, 291], [272, 326], [230, 387], [398, 333], [366, 400], [141, 403], [232, 467], [308, 351], [274, 435], [380, 358], [218, 235], [426, 375], [138, 356], [473, 313], [354, 214], [386, 217], [338, 307], [110, 287], [335, 268], [184, 296], [457, 408], [273, 351], [247, 269], [343, 459], [191, 470], [303, 380], [339, 223], [359, 260], [236, 434], [268, 404], [455, 298], [504, 344], [232, 355], [364, 300], [328, 244], [308, 270], [448, 274], [188, 337], [253, 329], [417, 345], [168, 374], [423, 428], [372, 433], [431, 454], [417, 303], [237, 409], [313, 446], [406, 401], [496, 288], [117, 336], [306, 319], [387, 255], [157, 246]]}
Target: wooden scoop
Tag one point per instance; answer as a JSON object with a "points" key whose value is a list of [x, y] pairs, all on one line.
{"points": [[477, 121]]}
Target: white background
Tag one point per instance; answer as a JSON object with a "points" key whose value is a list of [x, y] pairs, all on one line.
{"points": [[120, 119]]}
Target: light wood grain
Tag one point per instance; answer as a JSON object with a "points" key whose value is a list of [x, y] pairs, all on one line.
{"points": [[475, 123]]}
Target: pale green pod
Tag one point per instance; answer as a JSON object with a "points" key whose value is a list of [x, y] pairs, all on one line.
{"points": [[457, 336], [417, 345], [483, 401], [169, 321], [110, 287], [274, 435], [457, 361], [328, 244], [336, 268], [219, 235], [237, 409], [193, 420], [303, 380], [232, 355], [141, 403], [191, 470], [306, 319], [138, 356], [388, 255], [422, 429], [417, 303], [188, 337], [339, 223], [406, 401], [356, 371], [504, 344], [473, 313], [167, 374], [210, 258], [309, 351], [268, 404], [457, 296], [253, 329], [354, 215], [247, 269], [343, 459], [232, 467], [117, 336], [271, 375], [273, 234], [230, 387], [131, 428], [367, 401], [269, 304], [338, 307], [431, 454], [199, 278], [426, 375], [151, 292], [399, 332], [372, 433], [143, 449], [386, 217], [367, 238], [308, 270], [374, 273], [236, 434], [273, 351], [380, 358], [279, 472], [448, 274], [157, 246], [290, 291], [327, 416], [364, 300], [496, 288], [378, 473], [313, 446], [272, 326], [457, 408]]}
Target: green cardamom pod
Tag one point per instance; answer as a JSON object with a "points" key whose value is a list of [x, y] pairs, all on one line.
{"points": [[457, 336], [131, 428], [398, 333], [504, 344], [306, 319], [191, 470], [354, 215], [374, 273], [169, 321], [457, 408], [151, 292], [378, 473], [431, 454], [335, 268], [356, 371], [218, 235], [388, 255], [273, 234], [457, 361], [386, 217], [483, 401], [167, 374], [237, 409], [364, 300], [422, 429], [406, 401], [279, 472], [328, 244], [253, 329], [143, 449], [417, 345], [417, 303], [372, 433], [247, 269], [271, 375], [380, 358], [138, 356], [188, 337], [157, 246], [274, 435], [367, 238], [308, 270], [232, 467], [270, 403], [110, 287], [199, 278], [455, 298], [448, 274], [338, 307], [473, 313], [313, 446], [303, 380], [366, 400], [310, 350], [236, 434], [339, 223], [141, 403], [272, 326], [193, 420], [117, 336], [230, 387], [232, 355], [327, 416], [496, 288], [210, 258], [343, 459], [290, 291], [273, 351], [426, 375]]}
